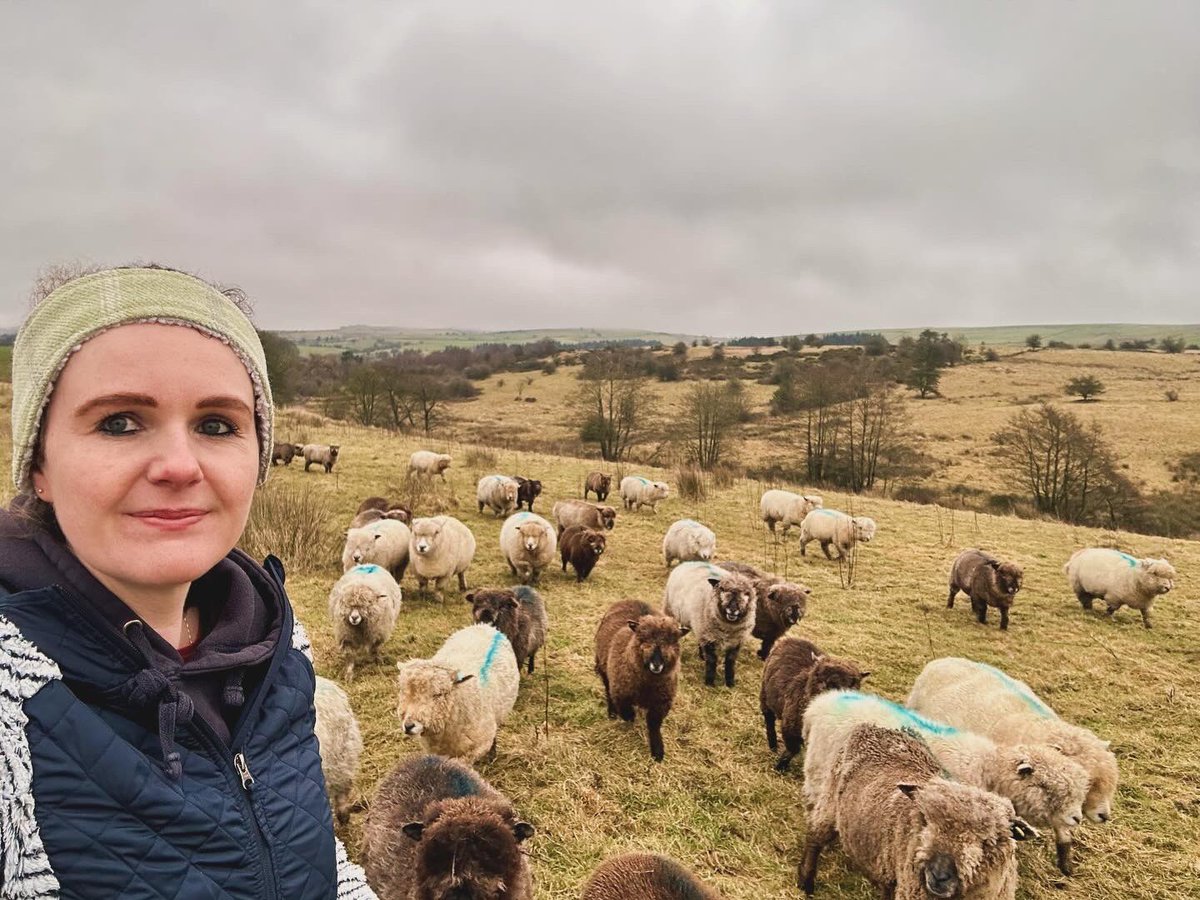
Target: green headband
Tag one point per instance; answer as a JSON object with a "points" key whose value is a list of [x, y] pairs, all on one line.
{"points": [[87, 306]]}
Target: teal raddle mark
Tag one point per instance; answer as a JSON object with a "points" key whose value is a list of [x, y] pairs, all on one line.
{"points": [[908, 719], [1132, 560], [641, 479], [830, 512], [708, 567], [367, 569], [497, 639], [460, 784], [1021, 691]]}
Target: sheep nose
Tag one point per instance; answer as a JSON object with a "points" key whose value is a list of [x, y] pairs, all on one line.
{"points": [[1103, 817], [358, 557], [409, 727]]}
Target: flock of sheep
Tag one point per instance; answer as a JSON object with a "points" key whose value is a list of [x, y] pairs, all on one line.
{"points": [[927, 799]]}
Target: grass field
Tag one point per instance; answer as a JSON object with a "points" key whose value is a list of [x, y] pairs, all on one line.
{"points": [[1097, 334]]}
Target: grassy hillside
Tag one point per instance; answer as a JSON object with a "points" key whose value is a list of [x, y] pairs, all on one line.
{"points": [[1097, 333], [360, 338]]}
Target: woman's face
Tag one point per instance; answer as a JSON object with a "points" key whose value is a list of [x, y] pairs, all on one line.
{"points": [[150, 455]]}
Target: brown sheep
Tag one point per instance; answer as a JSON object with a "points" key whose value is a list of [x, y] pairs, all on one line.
{"points": [[528, 490], [796, 671], [581, 547], [987, 581], [599, 483], [781, 604], [436, 829], [518, 613], [579, 512], [637, 659], [283, 453], [375, 508], [645, 876]]}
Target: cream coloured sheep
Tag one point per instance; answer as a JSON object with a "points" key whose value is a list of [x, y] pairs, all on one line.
{"points": [[528, 543], [718, 606], [363, 604], [829, 526], [383, 542], [637, 492], [498, 493], [426, 462], [687, 539], [341, 745], [787, 509], [1118, 579], [440, 547]]}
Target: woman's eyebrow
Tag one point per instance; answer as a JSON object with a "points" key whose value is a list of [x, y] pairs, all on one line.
{"points": [[225, 401], [115, 400]]}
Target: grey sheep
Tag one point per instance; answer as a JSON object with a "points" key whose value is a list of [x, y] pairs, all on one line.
{"points": [[718, 606]]}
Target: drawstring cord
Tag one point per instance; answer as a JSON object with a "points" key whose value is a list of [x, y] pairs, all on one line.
{"points": [[151, 686]]}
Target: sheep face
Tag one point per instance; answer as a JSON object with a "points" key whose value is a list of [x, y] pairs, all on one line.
{"points": [[1097, 805], [1040, 781], [864, 529], [425, 536], [699, 546], [609, 515], [510, 492], [443, 462], [1008, 577], [790, 600], [659, 491], [657, 641], [1158, 575], [361, 545], [595, 542], [832, 674], [497, 608], [532, 535], [735, 598], [426, 695], [814, 502], [356, 602]]}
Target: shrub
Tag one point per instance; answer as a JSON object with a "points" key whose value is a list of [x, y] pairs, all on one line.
{"points": [[1172, 395], [915, 493], [1084, 346], [691, 483], [1033, 341], [990, 355], [1060, 345], [1085, 387], [477, 372], [1110, 344], [292, 521], [725, 475], [479, 458], [1172, 344]]}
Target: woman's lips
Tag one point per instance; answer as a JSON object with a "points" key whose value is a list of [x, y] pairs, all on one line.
{"points": [[170, 519]]}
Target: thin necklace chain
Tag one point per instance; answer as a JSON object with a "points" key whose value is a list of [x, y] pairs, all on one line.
{"points": [[187, 627]]}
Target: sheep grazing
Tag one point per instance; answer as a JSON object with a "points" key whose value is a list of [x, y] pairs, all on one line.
{"points": [[913, 833], [786, 509], [426, 462], [687, 539], [828, 526], [386, 508], [341, 745], [322, 454], [1046, 788], [528, 490], [282, 453], [599, 484], [987, 581], [637, 492], [363, 605], [436, 830], [383, 542], [1118, 579], [579, 512], [581, 547], [456, 701], [795, 673], [528, 543], [519, 614], [645, 876], [498, 493], [440, 547], [717, 605], [637, 659], [779, 604], [977, 697]]}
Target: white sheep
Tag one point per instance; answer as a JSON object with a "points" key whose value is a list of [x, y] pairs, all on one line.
{"points": [[426, 462], [637, 492], [829, 526], [1046, 788], [383, 542], [324, 455], [528, 543], [456, 701], [341, 745], [363, 605], [498, 493], [981, 698], [787, 509], [718, 606], [440, 547], [687, 539], [1118, 579]]}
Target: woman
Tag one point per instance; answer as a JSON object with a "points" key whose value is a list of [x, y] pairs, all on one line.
{"points": [[156, 700]]}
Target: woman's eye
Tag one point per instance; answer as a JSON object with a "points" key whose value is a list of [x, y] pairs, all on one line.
{"points": [[216, 427], [118, 424]]}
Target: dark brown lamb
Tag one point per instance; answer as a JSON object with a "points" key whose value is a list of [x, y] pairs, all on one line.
{"points": [[987, 581], [781, 604], [528, 490], [283, 452], [519, 613], [581, 547], [598, 483], [645, 876]]}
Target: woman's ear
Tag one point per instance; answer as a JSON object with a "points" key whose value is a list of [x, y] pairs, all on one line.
{"points": [[41, 486]]}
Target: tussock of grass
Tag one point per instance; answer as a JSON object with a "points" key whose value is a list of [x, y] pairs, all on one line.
{"points": [[292, 520]]}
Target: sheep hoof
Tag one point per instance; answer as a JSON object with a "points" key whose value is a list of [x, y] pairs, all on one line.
{"points": [[783, 763]]}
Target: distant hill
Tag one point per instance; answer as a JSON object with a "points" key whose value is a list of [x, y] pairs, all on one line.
{"points": [[1070, 334], [361, 338]]}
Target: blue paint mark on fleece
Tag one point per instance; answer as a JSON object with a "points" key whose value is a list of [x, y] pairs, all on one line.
{"points": [[497, 640], [458, 783], [1021, 691], [830, 512], [708, 567], [521, 516], [909, 719], [367, 569], [1129, 559]]}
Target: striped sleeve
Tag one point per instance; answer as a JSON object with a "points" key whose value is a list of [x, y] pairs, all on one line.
{"points": [[352, 881], [300, 639]]}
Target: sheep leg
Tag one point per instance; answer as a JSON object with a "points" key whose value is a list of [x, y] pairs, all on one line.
{"points": [[769, 722], [825, 548], [1004, 618], [979, 607], [730, 664], [950, 599], [348, 670], [462, 581], [818, 839], [793, 740], [1146, 618], [1063, 846], [770, 525], [307, 463], [1085, 599], [765, 650], [626, 711], [531, 656], [710, 664], [608, 700], [654, 722]]}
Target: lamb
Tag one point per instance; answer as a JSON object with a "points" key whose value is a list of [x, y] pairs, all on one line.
{"points": [[645, 876], [321, 454], [498, 493], [456, 701], [1118, 579], [598, 483], [987, 581], [528, 490], [637, 659], [687, 539], [977, 697], [579, 512], [780, 604], [828, 526], [716, 604], [519, 613], [283, 453], [528, 543], [581, 547], [426, 462], [637, 492], [341, 745], [441, 546], [787, 509], [1046, 788], [363, 605], [913, 833], [383, 542], [436, 829]]}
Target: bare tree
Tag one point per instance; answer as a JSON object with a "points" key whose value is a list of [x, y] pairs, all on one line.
{"points": [[611, 402], [874, 432], [711, 412], [363, 388]]}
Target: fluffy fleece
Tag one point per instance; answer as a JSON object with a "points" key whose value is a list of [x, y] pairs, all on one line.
{"points": [[498, 493], [719, 606], [383, 542], [341, 745], [687, 539], [579, 512], [987, 581], [441, 547], [528, 543], [637, 492], [787, 509], [645, 876], [779, 604], [436, 829], [426, 462], [324, 455], [456, 701], [581, 547], [599, 484], [913, 833], [363, 606], [831, 527], [520, 613], [1118, 579]]}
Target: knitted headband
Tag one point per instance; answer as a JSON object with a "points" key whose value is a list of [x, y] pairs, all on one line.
{"points": [[86, 306]]}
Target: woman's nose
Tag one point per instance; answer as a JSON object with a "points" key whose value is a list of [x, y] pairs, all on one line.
{"points": [[174, 458]]}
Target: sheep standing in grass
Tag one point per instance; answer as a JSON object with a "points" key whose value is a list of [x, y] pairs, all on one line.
{"points": [[1046, 788], [363, 605], [282, 452], [387, 509], [828, 526], [598, 483], [528, 544], [528, 490], [582, 548], [645, 876], [637, 492], [341, 745], [324, 455], [978, 697], [779, 604], [913, 833], [428, 463], [687, 539], [1118, 579], [498, 493], [383, 542], [456, 701], [717, 605], [579, 512], [787, 509], [987, 581], [440, 547], [436, 830], [637, 659], [519, 613]]}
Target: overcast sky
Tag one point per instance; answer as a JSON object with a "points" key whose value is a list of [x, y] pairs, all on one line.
{"points": [[726, 167]]}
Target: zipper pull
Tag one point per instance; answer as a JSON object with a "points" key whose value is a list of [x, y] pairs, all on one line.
{"points": [[243, 770]]}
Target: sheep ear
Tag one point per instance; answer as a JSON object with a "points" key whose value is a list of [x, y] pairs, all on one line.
{"points": [[908, 789], [512, 603], [1022, 830], [413, 830], [523, 831], [1107, 744], [714, 581], [684, 631], [632, 625], [460, 678], [470, 598], [863, 674], [1024, 769]]}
